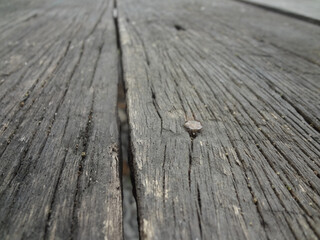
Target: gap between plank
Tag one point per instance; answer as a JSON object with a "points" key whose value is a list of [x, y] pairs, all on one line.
{"points": [[129, 204]]}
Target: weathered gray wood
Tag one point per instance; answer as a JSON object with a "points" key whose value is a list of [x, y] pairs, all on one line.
{"points": [[59, 166], [251, 77], [309, 9]]}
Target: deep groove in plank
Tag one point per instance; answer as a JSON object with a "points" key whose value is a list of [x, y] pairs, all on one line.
{"points": [[164, 175], [123, 100], [45, 235], [85, 136], [190, 162]]}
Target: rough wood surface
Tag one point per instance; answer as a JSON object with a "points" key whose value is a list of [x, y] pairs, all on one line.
{"points": [[59, 166], [251, 77], [308, 9]]}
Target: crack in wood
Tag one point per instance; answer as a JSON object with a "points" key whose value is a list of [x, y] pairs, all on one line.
{"points": [[85, 138], [122, 90]]}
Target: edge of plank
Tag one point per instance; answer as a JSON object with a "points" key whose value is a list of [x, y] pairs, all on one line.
{"points": [[282, 11]]}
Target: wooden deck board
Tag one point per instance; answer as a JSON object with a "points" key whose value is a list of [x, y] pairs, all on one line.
{"points": [[248, 75], [307, 9], [251, 77], [59, 170]]}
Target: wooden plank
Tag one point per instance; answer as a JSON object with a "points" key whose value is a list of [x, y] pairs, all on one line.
{"points": [[251, 77], [59, 171], [307, 9]]}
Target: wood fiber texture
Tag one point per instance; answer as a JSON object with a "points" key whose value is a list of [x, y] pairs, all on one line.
{"points": [[251, 77], [308, 10], [59, 166]]}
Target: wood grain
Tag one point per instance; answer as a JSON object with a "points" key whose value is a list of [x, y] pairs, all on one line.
{"points": [[308, 10], [251, 77], [59, 171]]}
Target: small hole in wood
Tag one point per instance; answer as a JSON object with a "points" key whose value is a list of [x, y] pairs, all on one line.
{"points": [[179, 28]]}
